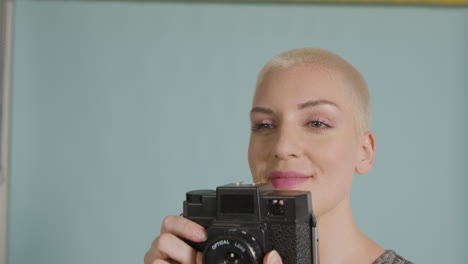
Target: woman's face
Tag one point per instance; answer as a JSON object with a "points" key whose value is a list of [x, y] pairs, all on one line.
{"points": [[304, 134]]}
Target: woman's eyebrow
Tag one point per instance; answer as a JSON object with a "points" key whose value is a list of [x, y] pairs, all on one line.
{"points": [[313, 103], [263, 110]]}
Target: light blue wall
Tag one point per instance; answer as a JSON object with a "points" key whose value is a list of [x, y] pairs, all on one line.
{"points": [[119, 108]]}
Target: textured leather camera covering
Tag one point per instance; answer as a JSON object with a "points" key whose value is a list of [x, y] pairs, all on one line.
{"points": [[293, 242]]}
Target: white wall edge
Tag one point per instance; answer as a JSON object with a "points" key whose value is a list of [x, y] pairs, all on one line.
{"points": [[6, 52]]}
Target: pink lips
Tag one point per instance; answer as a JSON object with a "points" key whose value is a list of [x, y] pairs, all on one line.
{"points": [[287, 179]]}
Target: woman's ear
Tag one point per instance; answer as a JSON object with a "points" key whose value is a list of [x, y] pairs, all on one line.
{"points": [[366, 153]]}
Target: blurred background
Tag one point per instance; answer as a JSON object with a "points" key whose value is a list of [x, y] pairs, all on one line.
{"points": [[121, 107]]}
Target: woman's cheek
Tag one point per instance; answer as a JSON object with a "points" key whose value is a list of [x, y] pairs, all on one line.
{"points": [[255, 161]]}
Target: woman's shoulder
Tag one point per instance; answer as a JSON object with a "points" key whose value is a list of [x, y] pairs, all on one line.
{"points": [[391, 257]]}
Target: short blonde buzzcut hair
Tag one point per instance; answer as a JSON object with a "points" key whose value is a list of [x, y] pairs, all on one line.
{"points": [[331, 61]]}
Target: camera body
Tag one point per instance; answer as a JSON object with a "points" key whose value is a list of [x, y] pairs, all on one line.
{"points": [[246, 221]]}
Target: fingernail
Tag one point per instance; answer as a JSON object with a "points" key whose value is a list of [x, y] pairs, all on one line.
{"points": [[274, 258], [199, 234]]}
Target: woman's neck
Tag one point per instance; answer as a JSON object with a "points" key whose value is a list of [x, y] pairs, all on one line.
{"points": [[341, 241]]}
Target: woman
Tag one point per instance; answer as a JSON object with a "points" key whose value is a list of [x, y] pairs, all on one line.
{"points": [[310, 131]]}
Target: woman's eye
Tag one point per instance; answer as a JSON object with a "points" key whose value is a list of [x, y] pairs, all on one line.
{"points": [[262, 127], [317, 124]]}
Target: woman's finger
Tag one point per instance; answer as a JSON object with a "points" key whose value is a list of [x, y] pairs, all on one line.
{"points": [[272, 258], [183, 227], [169, 247], [160, 261], [199, 258]]}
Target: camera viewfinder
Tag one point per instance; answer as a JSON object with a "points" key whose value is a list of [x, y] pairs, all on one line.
{"points": [[237, 204]]}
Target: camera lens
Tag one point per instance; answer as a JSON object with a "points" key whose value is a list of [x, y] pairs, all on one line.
{"points": [[234, 247], [231, 258]]}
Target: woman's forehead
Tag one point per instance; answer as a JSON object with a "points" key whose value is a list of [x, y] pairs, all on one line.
{"points": [[302, 83]]}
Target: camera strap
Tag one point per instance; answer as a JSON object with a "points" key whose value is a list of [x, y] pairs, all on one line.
{"points": [[315, 240]]}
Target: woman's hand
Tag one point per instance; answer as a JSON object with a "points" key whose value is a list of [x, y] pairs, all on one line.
{"points": [[170, 248]]}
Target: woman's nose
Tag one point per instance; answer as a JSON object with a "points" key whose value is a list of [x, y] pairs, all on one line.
{"points": [[287, 144]]}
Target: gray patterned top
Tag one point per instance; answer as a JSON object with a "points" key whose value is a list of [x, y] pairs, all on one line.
{"points": [[390, 257]]}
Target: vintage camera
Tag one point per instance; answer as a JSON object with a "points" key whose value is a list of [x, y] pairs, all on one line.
{"points": [[245, 221]]}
